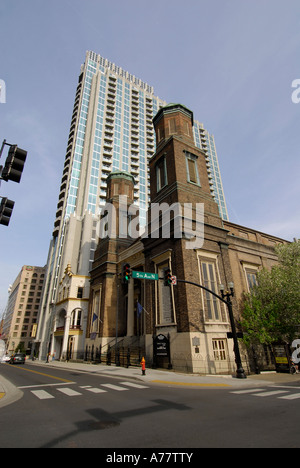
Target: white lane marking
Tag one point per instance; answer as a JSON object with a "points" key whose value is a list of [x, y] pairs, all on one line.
{"points": [[252, 390], [134, 385], [96, 390], [115, 387], [42, 394], [46, 385], [69, 391], [266, 394], [294, 396]]}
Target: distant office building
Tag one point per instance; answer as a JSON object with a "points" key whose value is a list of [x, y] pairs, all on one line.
{"points": [[111, 130], [20, 320]]}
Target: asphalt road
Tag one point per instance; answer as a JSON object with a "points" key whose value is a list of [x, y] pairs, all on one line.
{"points": [[67, 409]]}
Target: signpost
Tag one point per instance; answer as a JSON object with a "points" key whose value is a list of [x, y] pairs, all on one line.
{"points": [[151, 276], [161, 349], [161, 346], [282, 357]]}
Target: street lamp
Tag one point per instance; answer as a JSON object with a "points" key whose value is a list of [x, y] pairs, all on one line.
{"points": [[226, 296]]}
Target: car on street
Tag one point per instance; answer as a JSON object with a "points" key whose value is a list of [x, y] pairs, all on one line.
{"points": [[18, 358], [5, 359]]}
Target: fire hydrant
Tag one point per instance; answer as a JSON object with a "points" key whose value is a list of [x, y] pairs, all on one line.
{"points": [[143, 364]]}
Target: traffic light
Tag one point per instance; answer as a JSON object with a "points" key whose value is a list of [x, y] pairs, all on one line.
{"points": [[167, 277], [6, 209], [126, 273], [14, 164]]}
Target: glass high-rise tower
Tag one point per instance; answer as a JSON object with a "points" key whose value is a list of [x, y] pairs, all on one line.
{"points": [[111, 130], [206, 142]]}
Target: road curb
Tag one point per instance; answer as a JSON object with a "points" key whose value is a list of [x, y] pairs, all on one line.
{"points": [[8, 393], [153, 375], [90, 370]]}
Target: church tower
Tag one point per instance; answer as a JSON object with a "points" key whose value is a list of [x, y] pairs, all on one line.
{"points": [[113, 241], [178, 170], [179, 178]]}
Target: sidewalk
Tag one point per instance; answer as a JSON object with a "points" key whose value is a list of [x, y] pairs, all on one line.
{"points": [[170, 377]]}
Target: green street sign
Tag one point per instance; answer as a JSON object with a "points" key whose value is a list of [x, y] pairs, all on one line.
{"points": [[144, 275]]}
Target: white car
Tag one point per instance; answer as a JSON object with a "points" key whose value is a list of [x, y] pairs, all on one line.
{"points": [[5, 359]]}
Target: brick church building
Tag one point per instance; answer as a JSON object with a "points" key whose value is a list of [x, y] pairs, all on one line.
{"points": [[179, 326]]}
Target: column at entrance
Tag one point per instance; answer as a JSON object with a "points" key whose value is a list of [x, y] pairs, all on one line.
{"points": [[66, 337]]}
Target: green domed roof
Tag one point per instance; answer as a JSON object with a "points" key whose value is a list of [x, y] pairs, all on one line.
{"points": [[120, 175], [174, 106]]}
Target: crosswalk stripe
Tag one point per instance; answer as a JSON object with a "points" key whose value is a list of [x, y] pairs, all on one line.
{"points": [[133, 385], [115, 387], [263, 393], [96, 390], [266, 394], [69, 391], [294, 396], [42, 394], [249, 390]]}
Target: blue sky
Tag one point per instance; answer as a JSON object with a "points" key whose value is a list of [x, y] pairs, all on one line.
{"points": [[232, 62]]}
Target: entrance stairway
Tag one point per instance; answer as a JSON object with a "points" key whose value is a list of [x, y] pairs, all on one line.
{"points": [[128, 351]]}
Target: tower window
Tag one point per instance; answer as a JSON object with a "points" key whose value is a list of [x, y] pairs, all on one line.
{"points": [[161, 174], [209, 276], [186, 128], [192, 169], [172, 126]]}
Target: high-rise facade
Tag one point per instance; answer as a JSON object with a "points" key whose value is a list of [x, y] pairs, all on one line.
{"points": [[20, 320], [111, 130], [206, 141]]}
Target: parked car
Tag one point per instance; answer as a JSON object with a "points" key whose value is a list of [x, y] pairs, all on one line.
{"points": [[5, 359], [17, 359]]}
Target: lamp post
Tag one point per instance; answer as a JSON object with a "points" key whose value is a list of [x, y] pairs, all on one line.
{"points": [[226, 296]]}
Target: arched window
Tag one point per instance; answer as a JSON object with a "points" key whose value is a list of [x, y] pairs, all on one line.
{"points": [[76, 318]]}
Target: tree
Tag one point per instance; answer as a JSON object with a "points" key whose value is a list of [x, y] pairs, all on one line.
{"points": [[272, 309], [20, 348]]}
